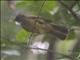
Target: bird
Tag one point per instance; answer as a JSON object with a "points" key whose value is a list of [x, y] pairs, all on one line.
{"points": [[37, 24]]}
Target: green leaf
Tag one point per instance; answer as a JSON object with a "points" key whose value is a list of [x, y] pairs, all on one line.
{"points": [[22, 35], [23, 4], [49, 5]]}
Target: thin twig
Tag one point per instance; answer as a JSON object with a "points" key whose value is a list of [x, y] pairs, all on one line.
{"points": [[41, 7]]}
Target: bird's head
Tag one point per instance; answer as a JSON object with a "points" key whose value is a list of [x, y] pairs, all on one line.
{"points": [[19, 19]]}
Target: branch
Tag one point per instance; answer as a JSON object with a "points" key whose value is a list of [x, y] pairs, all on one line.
{"points": [[71, 11], [27, 47], [52, 52], [73, 4]]}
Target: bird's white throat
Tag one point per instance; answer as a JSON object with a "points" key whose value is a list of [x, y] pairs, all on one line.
{"points": [[17, 23]]}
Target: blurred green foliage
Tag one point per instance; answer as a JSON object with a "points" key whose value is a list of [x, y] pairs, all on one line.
{"points": [[22, 36], [11, 32]]}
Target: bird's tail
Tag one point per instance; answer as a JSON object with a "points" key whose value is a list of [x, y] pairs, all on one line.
{"points": [[60, 32]]}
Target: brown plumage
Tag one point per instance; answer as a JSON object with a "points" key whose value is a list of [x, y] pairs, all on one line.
{"points": [[39, 25]]}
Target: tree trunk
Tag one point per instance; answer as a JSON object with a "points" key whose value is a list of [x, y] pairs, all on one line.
{"points": [[52, 41]]}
